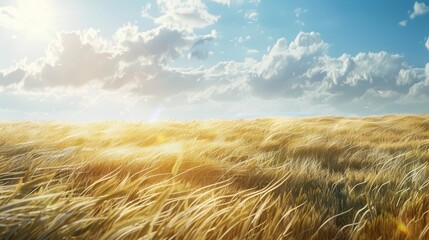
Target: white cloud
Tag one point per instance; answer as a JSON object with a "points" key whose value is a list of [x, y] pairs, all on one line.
{"points": [[12, 76], [73, 60], [427, 43], [409, 76], [133, 60], [237, 2], [419, 92], [159, 44], [297, 73], [145, 11], [354, 78], [224, 2], [252, 52], [364, 83], [251, 15], [184, 14], [299, 23], [199, 49], [144, 58], [419, 9], [240, 39], [403, 23], [256, 2], [300, 11], [283, 71]]}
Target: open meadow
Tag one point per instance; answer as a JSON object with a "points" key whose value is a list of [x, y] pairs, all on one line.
{"points": [[269, 178]]}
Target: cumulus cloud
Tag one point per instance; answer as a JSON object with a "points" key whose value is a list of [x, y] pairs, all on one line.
{"points": [[10, 77], [350, 78], [419, 9], [158, 44], [184, 14], [199, 49], [144, 56], [421, 89], [73, 62], [133, 60], [285, 70], [365, 83], [138, 63]]}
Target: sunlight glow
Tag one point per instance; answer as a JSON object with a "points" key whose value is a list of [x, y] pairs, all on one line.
{"points": [[36, 17]]}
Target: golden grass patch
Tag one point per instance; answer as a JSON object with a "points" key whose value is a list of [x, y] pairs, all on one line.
{"points": [[273, 178]]}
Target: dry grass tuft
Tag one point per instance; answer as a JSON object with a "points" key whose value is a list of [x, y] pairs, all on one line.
{"points": [[275, 178]]}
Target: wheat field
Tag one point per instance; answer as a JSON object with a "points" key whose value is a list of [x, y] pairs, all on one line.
{"points": [[270, 178]]}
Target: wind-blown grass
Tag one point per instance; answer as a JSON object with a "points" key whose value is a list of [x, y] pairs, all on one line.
{"points": [[274, 178]]}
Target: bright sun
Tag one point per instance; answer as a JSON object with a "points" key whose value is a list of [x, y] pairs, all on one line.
{"points": [[36, 17]]}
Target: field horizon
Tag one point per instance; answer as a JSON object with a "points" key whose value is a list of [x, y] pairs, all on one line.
{"points": [[327, 177]]}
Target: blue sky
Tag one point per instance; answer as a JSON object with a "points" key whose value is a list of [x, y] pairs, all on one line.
{"points": [[148, 60]]}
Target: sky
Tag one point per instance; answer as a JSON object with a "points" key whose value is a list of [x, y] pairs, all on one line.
{"points": [[77, 60]]}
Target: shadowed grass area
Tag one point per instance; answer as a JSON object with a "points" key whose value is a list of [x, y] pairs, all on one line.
{"points": [[273, 178]]}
